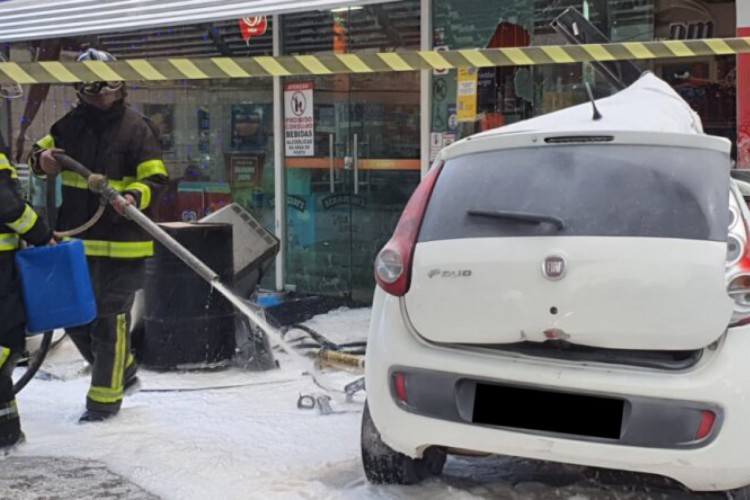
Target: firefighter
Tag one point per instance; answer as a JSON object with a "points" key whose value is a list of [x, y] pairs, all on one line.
{"points": [[106, 135], [17, 221]]}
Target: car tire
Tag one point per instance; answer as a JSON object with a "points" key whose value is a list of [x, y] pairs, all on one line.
{"points": [[384, 465]]}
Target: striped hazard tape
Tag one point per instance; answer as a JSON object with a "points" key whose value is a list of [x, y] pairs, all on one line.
{"points": [[249, 67]]}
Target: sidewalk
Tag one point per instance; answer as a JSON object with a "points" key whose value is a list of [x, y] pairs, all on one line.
{"points": [[57, 478]]}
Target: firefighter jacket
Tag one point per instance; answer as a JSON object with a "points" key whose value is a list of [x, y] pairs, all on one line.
{"points": [[17, 218], [121, 144]]}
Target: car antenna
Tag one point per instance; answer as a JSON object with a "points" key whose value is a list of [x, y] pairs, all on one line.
{"points": [[597, 114]]}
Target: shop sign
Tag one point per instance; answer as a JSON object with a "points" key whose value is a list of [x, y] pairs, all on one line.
{"points": [[296, 202], [691, 31], [467, 95], [243, 170], [299, 125], [687, 20], [343, 199], [253, 26]]}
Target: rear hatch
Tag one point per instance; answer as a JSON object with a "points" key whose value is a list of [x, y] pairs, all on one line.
{"points": [[604, 245]]}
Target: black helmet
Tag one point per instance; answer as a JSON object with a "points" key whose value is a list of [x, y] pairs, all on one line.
{"points": [[96, 88]]}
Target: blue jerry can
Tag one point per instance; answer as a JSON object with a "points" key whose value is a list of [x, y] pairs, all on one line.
{"points": [[56, 286]]}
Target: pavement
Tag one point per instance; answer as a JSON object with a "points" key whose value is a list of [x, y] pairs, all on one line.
{"points": [[51, 478]]}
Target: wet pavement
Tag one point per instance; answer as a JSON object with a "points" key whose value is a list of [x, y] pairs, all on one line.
{"points": [[522, 479], [50, 478]]}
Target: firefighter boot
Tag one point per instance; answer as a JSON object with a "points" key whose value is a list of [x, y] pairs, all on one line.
{"points": [[10, 424], [96, 416]]}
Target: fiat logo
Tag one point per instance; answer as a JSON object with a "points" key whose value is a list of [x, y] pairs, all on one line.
{"points": [[554, 267]]}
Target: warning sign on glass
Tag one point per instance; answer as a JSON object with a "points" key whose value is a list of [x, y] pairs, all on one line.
{"points": [[299, 125]]}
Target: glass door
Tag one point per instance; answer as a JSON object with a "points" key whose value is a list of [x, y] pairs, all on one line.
{"points": [[352, 157]]}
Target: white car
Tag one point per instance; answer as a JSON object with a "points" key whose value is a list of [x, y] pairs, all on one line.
{"points": [[571, 288]]}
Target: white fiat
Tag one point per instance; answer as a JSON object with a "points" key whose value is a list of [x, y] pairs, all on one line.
{"points": [[572, 288]]}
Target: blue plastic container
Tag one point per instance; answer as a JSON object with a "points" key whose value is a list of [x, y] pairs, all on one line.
{"points": [[56, 286]]}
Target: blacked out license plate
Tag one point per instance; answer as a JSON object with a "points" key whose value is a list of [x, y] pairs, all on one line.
{"points": [[548, 411]]}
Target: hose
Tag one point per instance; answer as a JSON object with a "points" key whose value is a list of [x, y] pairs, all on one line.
{"points": [[34, 363], [85, 226]]}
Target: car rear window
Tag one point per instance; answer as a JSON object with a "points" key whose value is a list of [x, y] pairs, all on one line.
{"points": [[582, 190]]}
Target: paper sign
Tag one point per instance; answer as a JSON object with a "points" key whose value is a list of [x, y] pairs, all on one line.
{"points": [[299, 125], [436, 144], [467, 95]]}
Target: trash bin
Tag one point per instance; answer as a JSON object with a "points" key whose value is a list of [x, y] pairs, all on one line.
{"points": [[188, 324]]}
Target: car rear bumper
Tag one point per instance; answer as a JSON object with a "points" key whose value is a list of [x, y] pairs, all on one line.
{"points": [[655, 441]]}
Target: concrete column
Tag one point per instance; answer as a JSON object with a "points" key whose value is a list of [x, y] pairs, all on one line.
{"points": [[425, 88], [278, 161], [743, 88]]}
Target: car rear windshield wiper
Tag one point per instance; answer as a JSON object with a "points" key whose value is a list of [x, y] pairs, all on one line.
{"points": [[519, 216]]}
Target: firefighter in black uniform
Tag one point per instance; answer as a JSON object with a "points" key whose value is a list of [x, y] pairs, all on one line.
{"points": [[17, 221], [109, 137]]}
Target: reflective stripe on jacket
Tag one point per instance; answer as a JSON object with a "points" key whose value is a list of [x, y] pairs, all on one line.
{"points": [[123, 145], [17, 218]]}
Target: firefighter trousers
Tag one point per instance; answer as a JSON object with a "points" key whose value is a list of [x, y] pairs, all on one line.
{"points": [[105, 342], [12, 344]]}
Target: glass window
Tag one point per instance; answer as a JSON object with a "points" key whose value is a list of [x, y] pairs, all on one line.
{"points": [[347, 187], [467, 103], [588, 189], [216, 136]]}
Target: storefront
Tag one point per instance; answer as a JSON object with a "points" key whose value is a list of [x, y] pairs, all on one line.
{"points": [[329, 161], [493, 97]]}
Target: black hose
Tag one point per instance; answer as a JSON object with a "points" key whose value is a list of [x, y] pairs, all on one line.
{"points": [[34, 363], [322, 342]]}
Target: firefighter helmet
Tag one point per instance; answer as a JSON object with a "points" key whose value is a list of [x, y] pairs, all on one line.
{"points": [[97, 88]]}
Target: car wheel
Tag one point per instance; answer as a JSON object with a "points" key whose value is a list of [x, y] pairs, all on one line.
{"points": [[384, 465]]}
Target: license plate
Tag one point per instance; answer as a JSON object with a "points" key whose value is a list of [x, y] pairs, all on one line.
{"points": [[548, 411]]}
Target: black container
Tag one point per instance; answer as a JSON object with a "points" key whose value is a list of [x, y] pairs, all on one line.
{"points": [[187, 323]]}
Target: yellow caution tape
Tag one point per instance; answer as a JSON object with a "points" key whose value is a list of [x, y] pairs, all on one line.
{"points": [[250, 67]]}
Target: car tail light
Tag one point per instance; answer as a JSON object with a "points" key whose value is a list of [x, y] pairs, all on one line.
{"points": [[707, 423], [738, 267], [399, 383], [393, 263]]}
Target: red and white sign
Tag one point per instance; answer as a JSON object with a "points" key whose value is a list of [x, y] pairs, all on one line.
{"points": [[299, 124], [253, 26]]}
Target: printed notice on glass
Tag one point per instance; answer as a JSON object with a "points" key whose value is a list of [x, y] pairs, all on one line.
{"points": [[467, 95], [299, 125]]}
